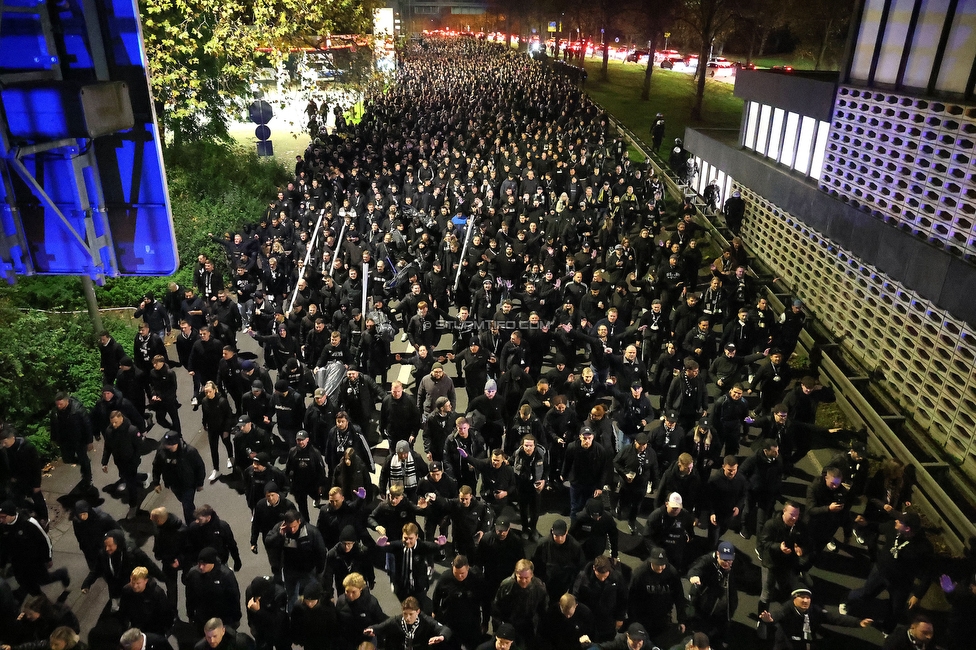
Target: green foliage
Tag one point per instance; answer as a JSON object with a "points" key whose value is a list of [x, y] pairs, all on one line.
{"points": [[215, 187], [41, 354]]}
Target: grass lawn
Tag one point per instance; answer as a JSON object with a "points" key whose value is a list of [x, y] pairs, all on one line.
{"points": [[672, 93]]}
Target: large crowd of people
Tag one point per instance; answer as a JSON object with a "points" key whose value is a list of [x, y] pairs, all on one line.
{"points": [[483, 212]]}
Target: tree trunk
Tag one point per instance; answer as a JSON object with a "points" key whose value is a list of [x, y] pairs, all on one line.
{"points": [[646, 89], [822, 52], [605, 69], [762, 41], [752, 43], [702, 72]]}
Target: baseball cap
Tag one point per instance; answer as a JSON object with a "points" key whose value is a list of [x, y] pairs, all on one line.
{"points": [[559, 527], [675, 500], [636, 384], [257, 384], [320, 392], [8, 508], [641, 439], [244, 419], [301, 435], [172, 438], [436, 466], [726, 551], [502, 523], [659, 557], [637, 632], [910, 519], [671, 415], [704, 423], [505, 631], [730, 346], [247, 365], [402, 446]]}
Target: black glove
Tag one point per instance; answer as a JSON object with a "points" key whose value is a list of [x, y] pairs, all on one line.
{"points": [[237, 564]]}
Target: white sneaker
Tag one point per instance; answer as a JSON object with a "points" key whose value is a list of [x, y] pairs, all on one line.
{"points": [[831, 546], [213, 476], [859, 538], [403, 338], [842, 608], [193, 402], [230, 464]]}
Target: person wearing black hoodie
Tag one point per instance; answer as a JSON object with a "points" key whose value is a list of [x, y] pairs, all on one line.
{"points": [[145, 605], [112, 399], [90, 526], [266, 614], [313, 620], [115, 564]]}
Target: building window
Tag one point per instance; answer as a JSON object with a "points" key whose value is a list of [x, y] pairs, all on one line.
{"points": [[752, 118], [816, 166], [762, 136], [805, 145], [790, 135], [775, 133]]}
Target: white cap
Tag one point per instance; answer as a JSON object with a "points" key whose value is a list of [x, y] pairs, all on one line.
{"points": [[674, 500]]}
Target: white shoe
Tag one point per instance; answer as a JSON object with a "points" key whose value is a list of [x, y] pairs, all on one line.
{"points": [[842, 608], [193, 401], [831, 546], [213, 476], [859, 538], [230, 464], [403, 338]]}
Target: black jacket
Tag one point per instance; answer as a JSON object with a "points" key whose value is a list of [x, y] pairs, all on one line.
{"points": [[150, 610], [123, 444], [215, 594], [217, 534], [179, 470]]}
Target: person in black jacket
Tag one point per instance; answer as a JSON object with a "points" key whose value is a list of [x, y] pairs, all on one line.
{"points": [[587, 467], [207, 530], [603, 589], [593, 527], [162, 390], [218, 420], [90, 526], [110, 354], [462, 603], [412, 629], [313, 620], [306, 472], [144, 604], [356, 610], [724, 499], [218, 637], [267, 614], [71, 430], [24, 470], [636, 467], [168, 546], [783, 549], [343, 436], [411, 557], [122, 443], [763, 472], [656, 590], [27, 548], [113, 399], [797, 622], [115, 564], [302, 553], [713, 592], [133, 383], [180, 467], [136, 639], [903, 569], [211, 591]]}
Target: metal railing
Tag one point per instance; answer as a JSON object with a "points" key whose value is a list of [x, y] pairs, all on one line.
{"points": [[942, 511]]}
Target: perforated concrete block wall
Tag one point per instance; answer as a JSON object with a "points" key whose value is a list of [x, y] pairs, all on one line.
{"points": [[926, 358], [908, 161]]}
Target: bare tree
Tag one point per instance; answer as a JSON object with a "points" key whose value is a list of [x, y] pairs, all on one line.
{"points": [[822, 27], [707, 18], [659, 16]]}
